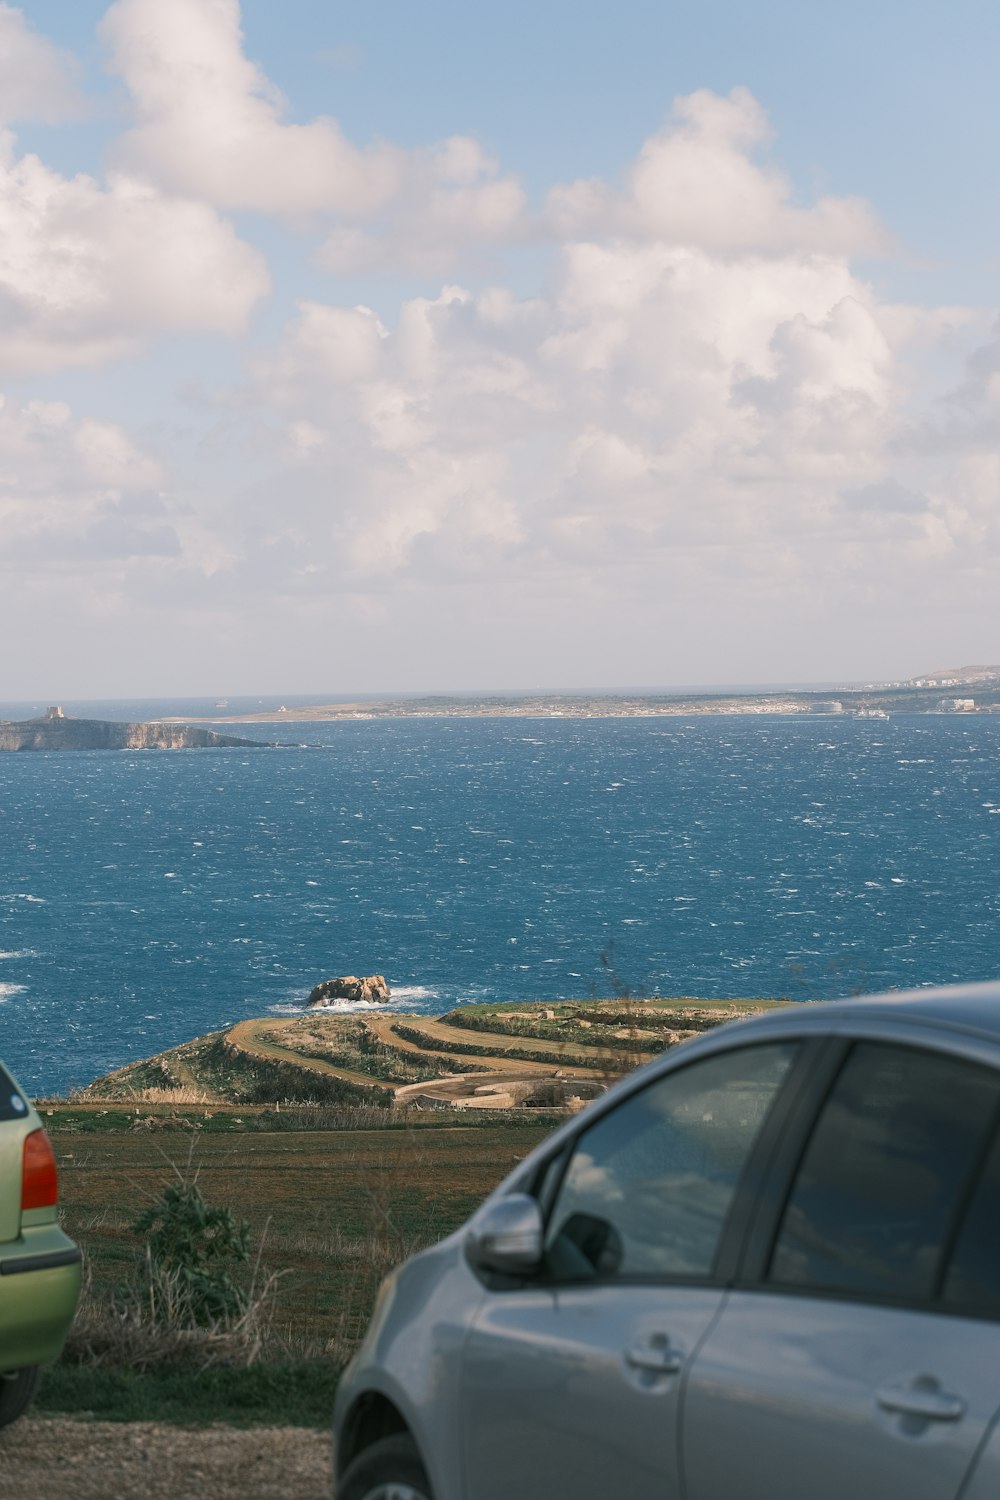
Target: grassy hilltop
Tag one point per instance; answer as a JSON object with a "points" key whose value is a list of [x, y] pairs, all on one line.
{"points": [[478, 1056]]}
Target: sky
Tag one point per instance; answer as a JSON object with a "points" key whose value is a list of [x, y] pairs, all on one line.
{"points": [[360, 348]]}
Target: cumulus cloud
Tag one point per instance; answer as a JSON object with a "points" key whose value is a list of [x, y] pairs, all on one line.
{"points": [[696, 183], [210, 124], [969, 419], [86, 271], [452, 199], [638, 409], [695, 419], [707, 414], [37, 79], [75, 489]]}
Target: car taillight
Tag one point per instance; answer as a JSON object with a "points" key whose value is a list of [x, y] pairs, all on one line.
{"points": [[39, 1188]]}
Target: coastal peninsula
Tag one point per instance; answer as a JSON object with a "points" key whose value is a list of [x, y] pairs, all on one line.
{"points": [[494, 1056], [966, 690], [54, 731]]}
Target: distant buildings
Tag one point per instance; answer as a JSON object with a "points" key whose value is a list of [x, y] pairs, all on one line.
{"points": [[826, 706], [957, 706]]}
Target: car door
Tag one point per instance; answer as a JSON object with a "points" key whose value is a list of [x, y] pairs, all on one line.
{"points": [[971, 1288], [571, 1379], [846, 1362]]}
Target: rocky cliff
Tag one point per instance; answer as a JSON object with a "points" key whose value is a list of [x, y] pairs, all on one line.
{"points": [[371, 990], [56, 732]]}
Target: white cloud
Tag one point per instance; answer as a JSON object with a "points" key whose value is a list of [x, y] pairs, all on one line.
{"points": [[75, 490], [699, 422], [337, 345], [696, 183], [589, 423], [86, 272], [707, 422], [37, 79], [89, 523], [209, 123], [452, 200]]}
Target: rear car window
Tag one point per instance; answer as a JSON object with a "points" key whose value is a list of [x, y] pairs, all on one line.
{"points": [[13, 1105], [875, 1197]]}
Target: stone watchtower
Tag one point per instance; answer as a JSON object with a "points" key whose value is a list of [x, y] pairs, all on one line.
{"points": [[55, 712]]}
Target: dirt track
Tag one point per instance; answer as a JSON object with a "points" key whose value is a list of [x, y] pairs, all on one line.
{"points": [[256, 1039], [54, 1458], [382, 1027], [597, 1058]]}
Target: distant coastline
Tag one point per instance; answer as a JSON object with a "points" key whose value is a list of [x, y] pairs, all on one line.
{"points": [[873, 702]]}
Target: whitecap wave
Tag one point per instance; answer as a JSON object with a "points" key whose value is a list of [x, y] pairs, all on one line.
{"points": [[336, 1008], [7, 991], [413, 992], [17, 953], [346, 1006]]}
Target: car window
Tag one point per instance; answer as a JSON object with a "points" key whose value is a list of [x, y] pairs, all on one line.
{"points": [[12, 1104], [648, 1186], [883, 1173], [972, 1277]]}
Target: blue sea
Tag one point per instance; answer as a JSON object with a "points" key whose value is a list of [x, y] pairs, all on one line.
{"points": [[148, 897]]}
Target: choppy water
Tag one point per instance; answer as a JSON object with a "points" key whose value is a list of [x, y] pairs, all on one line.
{"points": [[148, 897]]}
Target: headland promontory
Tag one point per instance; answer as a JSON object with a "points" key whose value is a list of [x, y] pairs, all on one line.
{"points": [[55, 731]]}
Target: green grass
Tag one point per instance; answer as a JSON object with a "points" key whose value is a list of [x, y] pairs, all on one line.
{"points": [[330, 1210], [293, 1395]]}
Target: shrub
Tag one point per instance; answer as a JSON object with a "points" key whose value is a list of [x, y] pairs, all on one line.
{"points": [[192, 1250]]}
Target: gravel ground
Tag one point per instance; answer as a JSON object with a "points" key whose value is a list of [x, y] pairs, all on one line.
{"points": [[54, 1458]]}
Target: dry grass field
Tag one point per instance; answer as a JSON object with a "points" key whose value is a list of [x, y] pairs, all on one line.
{"points": [[330, 1210]]}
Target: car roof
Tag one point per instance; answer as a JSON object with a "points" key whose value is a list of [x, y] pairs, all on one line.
{"points": [[962, 1009], [958, 1007]]}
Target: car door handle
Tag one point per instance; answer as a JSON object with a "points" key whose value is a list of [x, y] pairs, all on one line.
{"points": [[657, 1359], [922, 1397]]}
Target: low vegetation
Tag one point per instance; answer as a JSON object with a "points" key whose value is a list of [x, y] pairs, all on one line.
{"points": [[322, 1214]]}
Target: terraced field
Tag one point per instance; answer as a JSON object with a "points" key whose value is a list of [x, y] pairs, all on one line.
{"points": [[492, 1057]]}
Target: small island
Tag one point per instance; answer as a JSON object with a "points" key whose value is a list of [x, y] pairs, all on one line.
{"points": [[54, 731]]}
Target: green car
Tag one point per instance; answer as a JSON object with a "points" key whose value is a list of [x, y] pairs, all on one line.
{"points": [[39, 1265]]}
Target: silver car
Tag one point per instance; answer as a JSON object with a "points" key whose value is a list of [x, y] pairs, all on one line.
{"points": [[766, 1265]]}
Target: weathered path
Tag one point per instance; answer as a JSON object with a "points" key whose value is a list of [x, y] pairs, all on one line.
{"points": [[54, 1458], [605, 1059], [255, 1038], [382, 1027]]}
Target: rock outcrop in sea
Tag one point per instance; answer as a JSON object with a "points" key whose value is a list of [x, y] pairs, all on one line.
{"points": [[372, 990], [57, 732]]}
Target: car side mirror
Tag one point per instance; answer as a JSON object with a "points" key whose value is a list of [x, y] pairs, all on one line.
{"points": [[507, 1235]]}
